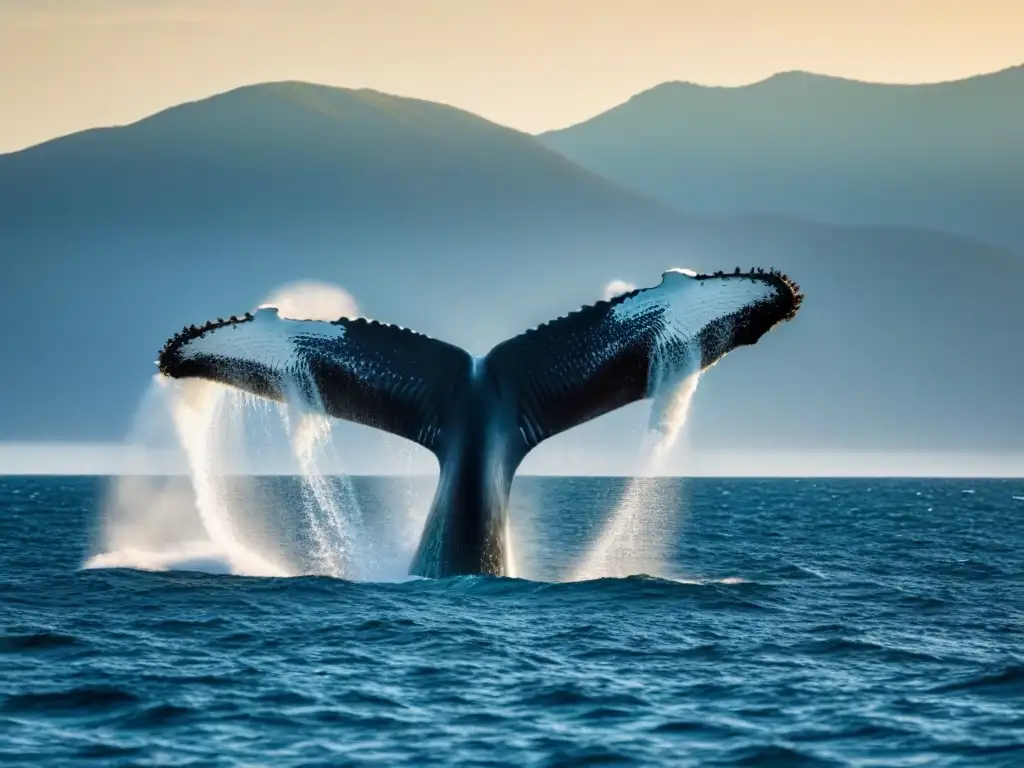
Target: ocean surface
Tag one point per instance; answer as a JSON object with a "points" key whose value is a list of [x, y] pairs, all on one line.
{"points": [[792, 622]]}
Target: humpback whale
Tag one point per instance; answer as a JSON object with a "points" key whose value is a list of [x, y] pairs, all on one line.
{"points": [[480, 416]]}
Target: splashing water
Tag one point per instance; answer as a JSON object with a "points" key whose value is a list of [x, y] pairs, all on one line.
{"points": [[512, 568], [329, 505], [218, 518], [195, 411], [196, 522], [331, 509], [669, 410], [630, 542]]}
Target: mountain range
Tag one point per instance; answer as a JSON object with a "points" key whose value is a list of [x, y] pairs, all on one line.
{"points": [[944, 156], [439, 220]]}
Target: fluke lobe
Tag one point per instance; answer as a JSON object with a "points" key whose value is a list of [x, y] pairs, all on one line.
{"points": [[480, 416]]}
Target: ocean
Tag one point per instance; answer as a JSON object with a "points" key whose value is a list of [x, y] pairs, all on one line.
{"points": [[790, 622]]}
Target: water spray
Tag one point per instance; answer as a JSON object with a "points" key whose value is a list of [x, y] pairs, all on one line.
{"points": [[627, 544], [217, 525]]}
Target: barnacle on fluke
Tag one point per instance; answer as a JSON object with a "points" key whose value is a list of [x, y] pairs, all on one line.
{"points": [[788, 299], [190, 332]]}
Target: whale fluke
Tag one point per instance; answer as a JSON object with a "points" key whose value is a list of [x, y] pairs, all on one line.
{"points": [[481, 416], [607, 355], [359, 370]]}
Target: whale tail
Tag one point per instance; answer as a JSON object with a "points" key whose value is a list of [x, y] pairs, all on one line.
{"points": [[607, 355], [557, 376], [481, 417], [370, 373]]}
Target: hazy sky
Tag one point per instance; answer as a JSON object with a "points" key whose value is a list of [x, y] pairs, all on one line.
{"points": [[66, 65]]}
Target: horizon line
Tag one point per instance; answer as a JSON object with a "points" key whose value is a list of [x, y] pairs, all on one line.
{"points": [[557, 475], [551, 475], [114, 459]]}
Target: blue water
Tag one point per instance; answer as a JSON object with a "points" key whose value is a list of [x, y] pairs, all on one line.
{"points": [[859, 623]]}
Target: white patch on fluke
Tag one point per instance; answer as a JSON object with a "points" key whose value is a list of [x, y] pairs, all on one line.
{"points": [[267, 340], [690, 305]]}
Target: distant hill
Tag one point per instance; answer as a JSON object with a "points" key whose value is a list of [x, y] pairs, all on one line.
{"points": [[438, 220], [277, 148], [944, 156]]}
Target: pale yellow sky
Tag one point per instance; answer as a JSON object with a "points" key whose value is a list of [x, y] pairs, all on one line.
{"points": [[66, 65]]}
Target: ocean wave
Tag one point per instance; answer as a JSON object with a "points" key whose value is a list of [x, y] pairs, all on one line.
{"points": [[105, 751], [161, 715], [840, 647], [1008, 681], [38, 641], [87, 698], [774, 754]]}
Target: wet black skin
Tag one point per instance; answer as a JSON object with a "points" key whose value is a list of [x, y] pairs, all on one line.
{"points": [[479, 449]]}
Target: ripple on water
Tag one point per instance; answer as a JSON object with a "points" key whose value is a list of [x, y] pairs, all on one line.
{"points": [[87, 698], [1008, 682], [39, 642]]}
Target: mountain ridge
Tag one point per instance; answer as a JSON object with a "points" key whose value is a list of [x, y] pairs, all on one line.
{"points": [[332, 133], [1016, 70], [940, 156], [789, 75]]}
